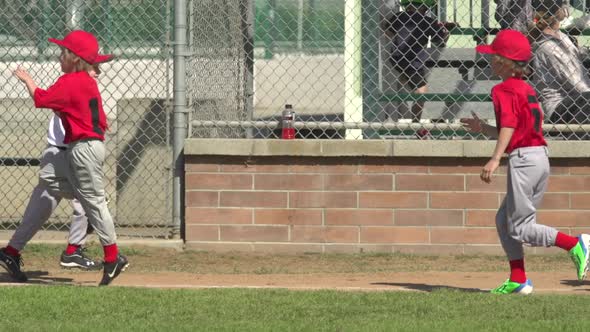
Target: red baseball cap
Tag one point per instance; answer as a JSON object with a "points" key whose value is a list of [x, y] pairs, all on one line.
{"points": [[510, 44], [84, 45]]}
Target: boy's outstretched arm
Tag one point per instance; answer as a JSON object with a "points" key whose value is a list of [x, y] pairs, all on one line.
{"points": [[24, 77], [476, 125]]}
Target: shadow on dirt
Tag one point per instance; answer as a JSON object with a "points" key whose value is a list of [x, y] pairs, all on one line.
{"points": [[38, 278], [575, 283], [429, 288]]}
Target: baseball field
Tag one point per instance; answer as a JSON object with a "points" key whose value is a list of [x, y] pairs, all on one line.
{"points": [[165, 289]]}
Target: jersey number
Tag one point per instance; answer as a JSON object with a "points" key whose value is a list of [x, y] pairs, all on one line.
{"points": [[95, 118], [536, 112]]}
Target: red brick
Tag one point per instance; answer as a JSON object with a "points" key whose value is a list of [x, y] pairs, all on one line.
{"points": [[464, 235], [394, 169], [287, 217], [580, 201], [392, 200], [252, 167], [201, 168], [563, 170], [474, 183], [218, 216], [201, 198], [468, 200], [254, 233], [430, 182], [359, 217], [325, 234], [480, 218], [358, 182], [320, 168], [456, 169], [576, 170], [428, 217], [394, 235], [218, 181], [564, 218], [569, 183], [322, 199], [202, 233], [253, 199], [288, 182], [555, 201]]}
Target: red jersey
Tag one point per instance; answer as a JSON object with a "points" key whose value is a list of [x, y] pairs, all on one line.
{"points": [[516, 106], [77, 99]]}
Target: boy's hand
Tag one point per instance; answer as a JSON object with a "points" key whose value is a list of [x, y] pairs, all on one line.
{"points": [[488, 170], [473, 125], [22, 75]]}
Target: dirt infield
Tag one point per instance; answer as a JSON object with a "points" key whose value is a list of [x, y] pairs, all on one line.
{"points": [[167, 268], [544, 282]]}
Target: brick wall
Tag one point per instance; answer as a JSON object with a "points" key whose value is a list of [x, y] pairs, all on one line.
{"points": [[371, 204]]}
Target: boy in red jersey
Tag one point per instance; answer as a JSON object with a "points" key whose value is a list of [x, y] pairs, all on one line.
{"points": [[77, 101], [519, 121]]}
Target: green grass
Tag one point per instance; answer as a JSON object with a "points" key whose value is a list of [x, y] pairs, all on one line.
{"points": [[37, 308]]}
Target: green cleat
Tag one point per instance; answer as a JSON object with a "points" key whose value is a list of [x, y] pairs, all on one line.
{"points": [[511, 287], [580, 256]]}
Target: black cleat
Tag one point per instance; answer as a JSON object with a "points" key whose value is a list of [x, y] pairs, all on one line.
{"points": [[112, 270], [79, 260], [12, 265]]}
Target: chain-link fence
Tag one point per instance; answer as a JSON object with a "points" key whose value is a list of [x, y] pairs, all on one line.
{"points": [[136, 88], [348, 67], [378, 69]]}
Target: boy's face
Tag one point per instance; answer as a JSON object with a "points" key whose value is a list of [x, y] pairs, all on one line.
{"points": [[95, 71]]}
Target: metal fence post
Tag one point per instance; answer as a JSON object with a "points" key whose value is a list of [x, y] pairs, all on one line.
{"points": [[179, 113], [370, 60], [247, 27]]}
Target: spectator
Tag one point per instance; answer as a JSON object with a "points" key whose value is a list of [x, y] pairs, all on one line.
{"points": [[410, 31], [514, 14], [559, 74]]}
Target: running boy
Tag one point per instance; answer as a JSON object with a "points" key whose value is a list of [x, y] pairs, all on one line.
{"points": [[43, 201], [519, 132], [410, 31], [76, 98]]}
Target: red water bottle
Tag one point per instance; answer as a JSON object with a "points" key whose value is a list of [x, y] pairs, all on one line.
{"points": [[288, 119]]}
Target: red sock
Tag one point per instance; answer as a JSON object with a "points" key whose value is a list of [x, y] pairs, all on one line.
{"points": [[11, 251], [72, 248], [110, 253], [565, 241], [517, 273]]}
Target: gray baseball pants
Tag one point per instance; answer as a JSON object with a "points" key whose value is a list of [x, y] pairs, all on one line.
{"points": [[86, 159], [52, 174], [516, 220]]}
